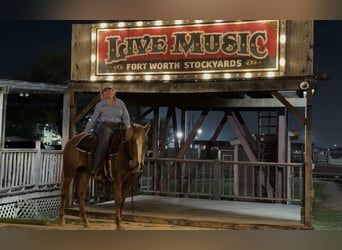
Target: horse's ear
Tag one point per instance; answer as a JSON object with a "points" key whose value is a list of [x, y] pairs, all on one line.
{"points": [[147, 126]]}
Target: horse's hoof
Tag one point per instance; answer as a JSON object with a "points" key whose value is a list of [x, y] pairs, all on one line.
{"points": [[86, 225], [120, 227], [61, 222]]}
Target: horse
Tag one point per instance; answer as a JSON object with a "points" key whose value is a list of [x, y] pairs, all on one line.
{"points": [[125, 166]]}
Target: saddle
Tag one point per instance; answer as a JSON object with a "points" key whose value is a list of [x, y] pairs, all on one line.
{"points": [[88, 144]]}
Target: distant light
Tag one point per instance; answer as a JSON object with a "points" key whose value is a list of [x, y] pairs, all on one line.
{"points": [[24, 94], [129, 78], [179, 134], [198, 21], [178, 21]]}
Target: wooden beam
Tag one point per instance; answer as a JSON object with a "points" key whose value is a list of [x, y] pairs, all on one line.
{"points": [[192, 134], [145, 113], [245, 130], [218, 129], [87, 108], [289, 107], [258, 85], [244, 143]]}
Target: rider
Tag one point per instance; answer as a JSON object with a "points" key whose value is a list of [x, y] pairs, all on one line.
{"points": [[112, 114]]}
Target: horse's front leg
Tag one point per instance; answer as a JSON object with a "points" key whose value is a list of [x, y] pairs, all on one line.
{"points": [[83, 187], [118, 205]]}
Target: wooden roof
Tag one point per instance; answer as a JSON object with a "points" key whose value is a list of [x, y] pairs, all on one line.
{"points": [[17, 86]]}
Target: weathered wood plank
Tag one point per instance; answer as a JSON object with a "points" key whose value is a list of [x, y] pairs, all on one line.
{"points": [[299, 48], [196, 87]]}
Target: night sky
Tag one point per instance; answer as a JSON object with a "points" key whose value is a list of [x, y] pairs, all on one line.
{"points": [[23, 42]]}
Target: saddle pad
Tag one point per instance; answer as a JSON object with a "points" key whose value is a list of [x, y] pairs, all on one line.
{"points": [[87, 143]]}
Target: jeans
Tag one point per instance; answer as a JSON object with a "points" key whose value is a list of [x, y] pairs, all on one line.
{"points": [[104, 135]]}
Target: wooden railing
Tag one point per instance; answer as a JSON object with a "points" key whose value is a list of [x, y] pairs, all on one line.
{"points": [[261, 181], [24, 169]]}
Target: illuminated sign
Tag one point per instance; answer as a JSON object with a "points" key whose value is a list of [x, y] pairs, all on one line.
{"points": [[188, 51]]}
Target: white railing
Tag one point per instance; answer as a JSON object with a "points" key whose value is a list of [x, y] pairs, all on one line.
{"points": [[51, 163], [24, 169]]}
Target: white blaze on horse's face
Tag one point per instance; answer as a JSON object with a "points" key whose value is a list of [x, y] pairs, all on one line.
{"points": [[140, 148], [138, 140]]}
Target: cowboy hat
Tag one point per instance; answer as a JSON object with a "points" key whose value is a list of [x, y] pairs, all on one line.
{"points": [[106, 85]]}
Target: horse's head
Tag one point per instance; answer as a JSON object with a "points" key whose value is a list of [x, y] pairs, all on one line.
{"points": [[136, 139]]}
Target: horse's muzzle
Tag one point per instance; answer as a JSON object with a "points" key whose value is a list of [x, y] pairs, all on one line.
{"points": [[136, 167]]}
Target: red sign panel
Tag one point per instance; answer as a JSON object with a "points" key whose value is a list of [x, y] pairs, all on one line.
{"points": [[187, 49]]}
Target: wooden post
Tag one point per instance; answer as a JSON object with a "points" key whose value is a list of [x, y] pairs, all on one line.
{"points": [[3, 105], [37, 165], [72, 131], [308, 161], [73, 112], [282, 153], [66, 117], [217, 180], [155, 141]]}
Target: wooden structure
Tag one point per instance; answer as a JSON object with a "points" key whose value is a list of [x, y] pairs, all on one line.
{"points": [[30, 177], [285, 89], [26, 88]]}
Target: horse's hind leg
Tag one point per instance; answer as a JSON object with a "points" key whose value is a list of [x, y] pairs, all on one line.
{"points": [[64, 197], [82, 191]]}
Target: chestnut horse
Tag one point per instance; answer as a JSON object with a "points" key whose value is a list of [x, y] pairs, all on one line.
{"points": [[125, 165]]}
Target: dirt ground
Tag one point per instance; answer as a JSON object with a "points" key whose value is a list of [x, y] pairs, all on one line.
{"points": [[99, 225], [332, 189]]}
